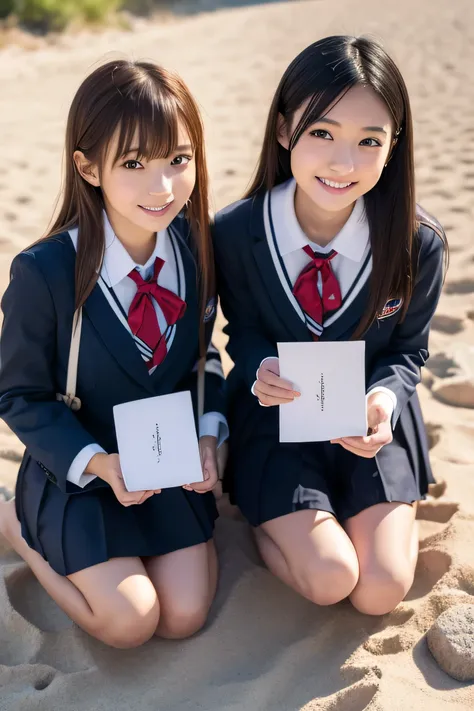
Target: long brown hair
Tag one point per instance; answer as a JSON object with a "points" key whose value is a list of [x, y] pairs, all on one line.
{"points": [[127, 97], [323, 73]]}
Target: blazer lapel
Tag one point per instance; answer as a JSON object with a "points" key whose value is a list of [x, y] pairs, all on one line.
{"points": [[344, 326], [116, 338], [273, 276], [181, 349]]}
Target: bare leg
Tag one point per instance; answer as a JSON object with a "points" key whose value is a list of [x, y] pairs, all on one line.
{"points": [[385, 537], [113, 601], [185, 581], [309, 551]]}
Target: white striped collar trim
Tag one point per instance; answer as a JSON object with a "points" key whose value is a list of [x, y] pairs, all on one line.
{"points": [[312, 325]]}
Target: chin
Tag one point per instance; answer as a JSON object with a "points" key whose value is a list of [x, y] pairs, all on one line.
{"points": [[336, 204]]}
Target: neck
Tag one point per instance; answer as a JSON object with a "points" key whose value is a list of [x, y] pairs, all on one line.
{"points": [[138, 242], [140, 251], [319, 225]]}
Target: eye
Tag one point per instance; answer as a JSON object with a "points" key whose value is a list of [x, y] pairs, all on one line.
{"points": [[181, 160], [132, 165], [373, 143], [321, 133]]}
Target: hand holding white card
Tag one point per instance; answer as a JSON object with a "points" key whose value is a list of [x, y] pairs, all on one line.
{"points": [[331, 378], [157, 442]]}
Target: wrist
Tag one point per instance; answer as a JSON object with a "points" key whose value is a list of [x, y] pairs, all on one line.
{"points": [[208, 439], [98, 465]]}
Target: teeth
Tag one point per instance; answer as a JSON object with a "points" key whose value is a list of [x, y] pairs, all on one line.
{"points": [[332, 184], [156, 209]]}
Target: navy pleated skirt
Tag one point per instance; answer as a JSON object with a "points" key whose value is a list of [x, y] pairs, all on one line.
{"points": [[77, 531], [268, 479]]}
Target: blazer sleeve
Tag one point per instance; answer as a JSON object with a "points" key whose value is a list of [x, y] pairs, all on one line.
{"points": [[398, 368], [50, 431], [247, 345]]}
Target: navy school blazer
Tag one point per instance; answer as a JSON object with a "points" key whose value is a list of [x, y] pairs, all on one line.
{"points": [[259, 313], [38, 308]]}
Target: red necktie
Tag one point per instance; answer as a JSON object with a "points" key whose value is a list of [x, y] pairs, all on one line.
{"points": [[306, 286], [142, 316]]}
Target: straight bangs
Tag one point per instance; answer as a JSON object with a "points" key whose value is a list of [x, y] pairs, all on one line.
{"points": [[319, 105], [149, 127], [130, 107]]}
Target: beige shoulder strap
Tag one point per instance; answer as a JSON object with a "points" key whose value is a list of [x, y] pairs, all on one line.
{"points": [[70, 398], [201, 385]]}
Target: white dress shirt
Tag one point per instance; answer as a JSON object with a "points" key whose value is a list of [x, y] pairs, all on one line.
{"points": [[116, 266], [352, 244]]}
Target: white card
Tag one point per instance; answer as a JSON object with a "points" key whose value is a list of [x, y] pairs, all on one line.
{"points": [[331, 378], [157, 442]]}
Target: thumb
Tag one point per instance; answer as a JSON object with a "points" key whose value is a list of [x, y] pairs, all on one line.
{"points": [[376, 415]]}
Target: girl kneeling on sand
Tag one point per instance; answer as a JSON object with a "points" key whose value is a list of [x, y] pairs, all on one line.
{"points": [[134, 215], [329, 245]]}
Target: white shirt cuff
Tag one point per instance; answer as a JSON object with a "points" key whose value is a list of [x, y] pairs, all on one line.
{"points": [[76, 471], [252, 389], [387, 391], [214, 424]]}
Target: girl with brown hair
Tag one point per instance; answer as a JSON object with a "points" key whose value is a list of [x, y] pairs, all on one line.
{"points": [[329, 245], [130, 250]]}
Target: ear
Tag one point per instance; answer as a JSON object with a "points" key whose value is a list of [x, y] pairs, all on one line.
{"points": [[282, 132], [86, 169]]}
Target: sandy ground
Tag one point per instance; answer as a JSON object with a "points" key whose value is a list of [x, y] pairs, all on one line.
{"points": [[264, 648]]}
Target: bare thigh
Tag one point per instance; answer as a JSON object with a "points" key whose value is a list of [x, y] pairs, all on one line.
{"points": [[185, 582], [385, 537], [312, 553], [122, 599]]}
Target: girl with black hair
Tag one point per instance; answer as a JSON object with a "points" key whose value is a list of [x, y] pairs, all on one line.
{"points": [[329, 244]]}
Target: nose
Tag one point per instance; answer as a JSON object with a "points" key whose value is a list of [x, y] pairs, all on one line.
{"points": [[342, 161], [161, 185]]}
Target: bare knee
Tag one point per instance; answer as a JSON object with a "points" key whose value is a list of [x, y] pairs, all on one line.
{"points": [[182, 619], [128, 629], [380, 590], [326, 582]]}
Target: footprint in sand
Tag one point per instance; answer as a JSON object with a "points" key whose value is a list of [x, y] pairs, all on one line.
{"points": [[463, 286], [447, 324], [23, 200], [438, 511], [354, 698], [28, 598], [396, 636], [10, 455], [433, 433], [442, 366], [45, 677], [432, 565]]}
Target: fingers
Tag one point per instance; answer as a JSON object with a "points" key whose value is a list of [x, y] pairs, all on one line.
{"points": [[367, 446], [202, 487], [269, 378], [270, 389], [146, 495], [360, 452], [273, 391], [131, 498]]}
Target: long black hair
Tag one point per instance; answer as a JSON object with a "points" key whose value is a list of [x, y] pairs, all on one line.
{"points": [[323, 73]]}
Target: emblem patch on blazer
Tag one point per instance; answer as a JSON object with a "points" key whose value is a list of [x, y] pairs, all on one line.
{"points": [[390, 308], [210, 310]]}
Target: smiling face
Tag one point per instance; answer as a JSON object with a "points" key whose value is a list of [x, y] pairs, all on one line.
{"points": [[341, 156], [143, 196]]}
